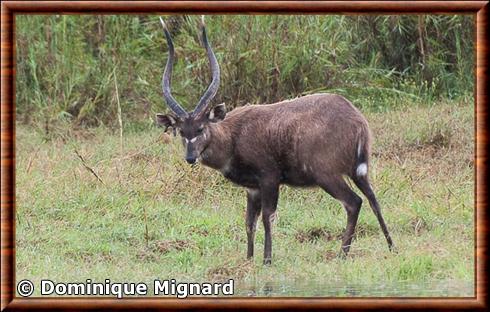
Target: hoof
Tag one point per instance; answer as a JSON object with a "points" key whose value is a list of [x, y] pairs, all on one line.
{"points": [[393, 249], [267, 261], [342, 255]]}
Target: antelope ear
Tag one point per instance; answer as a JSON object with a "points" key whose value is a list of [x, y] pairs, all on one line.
{"points": [[218, 113], [166, 121]]}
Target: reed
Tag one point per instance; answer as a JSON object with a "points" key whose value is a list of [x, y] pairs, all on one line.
{"points": [[66, 64]]}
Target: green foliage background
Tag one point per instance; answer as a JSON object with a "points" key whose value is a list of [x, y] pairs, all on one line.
{"points": [[68, 67]]}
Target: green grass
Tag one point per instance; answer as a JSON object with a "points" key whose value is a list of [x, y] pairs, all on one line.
{"points": [[151, 216]]}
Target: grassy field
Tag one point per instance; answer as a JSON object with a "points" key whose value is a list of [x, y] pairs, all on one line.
{"points": [[94, 204]]}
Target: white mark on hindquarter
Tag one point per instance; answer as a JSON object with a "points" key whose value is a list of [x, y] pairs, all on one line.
{"points": [[359, 148], [304, 167], [362, 169]]}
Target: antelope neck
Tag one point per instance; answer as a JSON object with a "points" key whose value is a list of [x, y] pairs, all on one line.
{"points": [[218, 153]]}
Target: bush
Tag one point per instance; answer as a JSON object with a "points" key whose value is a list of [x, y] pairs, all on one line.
{"points": [[68, 66]]}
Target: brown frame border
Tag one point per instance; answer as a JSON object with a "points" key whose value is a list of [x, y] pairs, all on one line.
{"points": [[9, 8]]}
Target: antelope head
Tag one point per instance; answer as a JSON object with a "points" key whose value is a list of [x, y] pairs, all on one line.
{"points": [[193, 126]]}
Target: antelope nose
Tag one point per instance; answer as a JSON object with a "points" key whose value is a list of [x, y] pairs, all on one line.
{"points": [[190, 160]]}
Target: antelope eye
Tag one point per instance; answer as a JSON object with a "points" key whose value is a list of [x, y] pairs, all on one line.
{"points": [[200, 130], [181, 133]]}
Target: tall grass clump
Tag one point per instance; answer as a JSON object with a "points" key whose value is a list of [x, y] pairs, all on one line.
{"points": [[66, 65]]}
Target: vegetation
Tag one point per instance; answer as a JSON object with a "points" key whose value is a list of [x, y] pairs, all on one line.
{"points": [[103, 194], [143, 213], [68, 67]]}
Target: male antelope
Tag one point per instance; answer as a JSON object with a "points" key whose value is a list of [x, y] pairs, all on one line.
{"points": [[313, 140]]}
